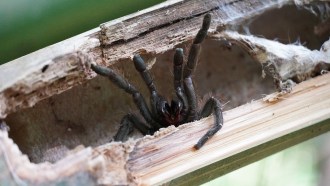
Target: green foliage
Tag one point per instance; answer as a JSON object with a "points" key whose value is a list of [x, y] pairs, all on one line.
{"points": [[28, 25]]}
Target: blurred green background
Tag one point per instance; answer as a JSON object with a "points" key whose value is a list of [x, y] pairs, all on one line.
{"points": [[304, 164], [28, 25]]}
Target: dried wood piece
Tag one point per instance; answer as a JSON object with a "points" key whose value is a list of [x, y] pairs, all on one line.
{"points": [[42, 80]]}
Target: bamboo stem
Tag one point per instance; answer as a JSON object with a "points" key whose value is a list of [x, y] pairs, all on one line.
{"points": [[250, 132]]}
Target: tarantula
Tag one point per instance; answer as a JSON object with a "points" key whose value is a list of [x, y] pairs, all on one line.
{"points": [[180, 110]]}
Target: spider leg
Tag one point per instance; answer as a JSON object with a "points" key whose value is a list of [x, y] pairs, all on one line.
{"points": [[211, 105], [177, 70], [141, 67], [190, 67], [127, 87], [196, 46], [127, 125], [147, 78]]}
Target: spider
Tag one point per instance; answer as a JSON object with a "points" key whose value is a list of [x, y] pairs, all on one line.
{"points": [[182, 109]]}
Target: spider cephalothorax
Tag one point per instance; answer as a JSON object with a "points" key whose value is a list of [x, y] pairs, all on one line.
{"points": [[180, 110]]}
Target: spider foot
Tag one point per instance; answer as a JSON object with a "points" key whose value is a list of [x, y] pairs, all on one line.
{"points": [[211, 105]]}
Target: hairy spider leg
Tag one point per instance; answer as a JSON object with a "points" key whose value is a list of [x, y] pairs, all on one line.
{"points": [[127, 87], [177, 71], [127, 125], [147, 78], [214, 105], [177, 68], [142, 69], [190, 67]]}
